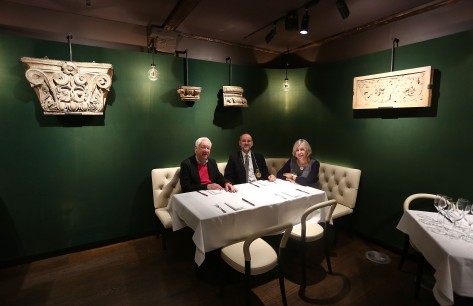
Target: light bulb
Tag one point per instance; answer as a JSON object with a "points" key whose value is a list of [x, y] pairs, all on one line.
{"points": [[286, 84], [153, 73]]}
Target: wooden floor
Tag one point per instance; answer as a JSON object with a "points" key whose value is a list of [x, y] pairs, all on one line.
{"points": [[139, 272]]}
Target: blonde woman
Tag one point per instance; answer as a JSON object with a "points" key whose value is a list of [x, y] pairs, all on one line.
{"points": [[301, 168]]}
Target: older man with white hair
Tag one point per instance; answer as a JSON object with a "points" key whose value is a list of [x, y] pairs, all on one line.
{"points": [[200, 172]]}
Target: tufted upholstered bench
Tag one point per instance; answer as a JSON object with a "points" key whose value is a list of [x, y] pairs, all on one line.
{"points": [[340, 183]]}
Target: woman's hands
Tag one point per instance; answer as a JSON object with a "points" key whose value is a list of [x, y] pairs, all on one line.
{"points": [[290, 177]]}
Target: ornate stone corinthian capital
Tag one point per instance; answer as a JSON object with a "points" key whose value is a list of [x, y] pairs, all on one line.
{"points": [[69, 88]]}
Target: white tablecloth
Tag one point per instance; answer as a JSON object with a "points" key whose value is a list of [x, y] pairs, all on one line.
{"points": [[451, 258], [275, 203]]}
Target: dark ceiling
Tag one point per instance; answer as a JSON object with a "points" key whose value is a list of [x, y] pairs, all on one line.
{"points": [[242, 24], [239, 22]]}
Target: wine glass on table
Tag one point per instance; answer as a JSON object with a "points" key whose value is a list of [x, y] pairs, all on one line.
{"points": [[469, 219], [440, 204], [457, 213]]}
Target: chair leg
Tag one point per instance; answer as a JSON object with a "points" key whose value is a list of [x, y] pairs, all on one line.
{"points": [[335, 233], [303, 265], [281, 263], [419, 272], [404, 253], [248, 283], [327, 253], [282, 286]]}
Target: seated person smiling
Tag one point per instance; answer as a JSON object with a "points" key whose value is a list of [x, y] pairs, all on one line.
{"points": [[199, 172], [301, 168]]}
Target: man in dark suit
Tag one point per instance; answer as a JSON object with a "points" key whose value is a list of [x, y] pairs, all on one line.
{"points": [[200, 172], [235, 171]]}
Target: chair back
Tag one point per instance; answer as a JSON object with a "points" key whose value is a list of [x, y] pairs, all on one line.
{"points": [[340, 183], [308, 211], [411, 198], [165, 183], [286, 227]]}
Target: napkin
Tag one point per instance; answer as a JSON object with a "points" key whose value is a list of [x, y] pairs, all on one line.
{"points": [[234, 206]]}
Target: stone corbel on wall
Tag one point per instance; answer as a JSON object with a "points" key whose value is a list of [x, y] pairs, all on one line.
{"points": [[189, 93], [69, 88], [233, 96]]}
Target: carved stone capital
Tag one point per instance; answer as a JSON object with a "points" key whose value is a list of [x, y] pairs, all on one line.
{"points": [[69, 88], [233, 96], [189, 93]]}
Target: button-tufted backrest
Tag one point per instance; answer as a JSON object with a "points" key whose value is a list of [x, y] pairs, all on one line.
{"points": [[165, 184], [340, 183], [274, 164]]}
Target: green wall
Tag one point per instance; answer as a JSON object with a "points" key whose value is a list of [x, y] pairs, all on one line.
{"points": [[72, 181]]}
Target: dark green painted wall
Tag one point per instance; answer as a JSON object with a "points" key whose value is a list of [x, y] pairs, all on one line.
{"points": [[72, 181]]}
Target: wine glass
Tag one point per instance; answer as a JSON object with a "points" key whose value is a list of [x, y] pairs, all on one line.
{"points": [[440, 204], [468, 211], [457, 213]]}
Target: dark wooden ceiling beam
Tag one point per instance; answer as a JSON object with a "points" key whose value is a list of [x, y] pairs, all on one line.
{"points": [[179, 13]]}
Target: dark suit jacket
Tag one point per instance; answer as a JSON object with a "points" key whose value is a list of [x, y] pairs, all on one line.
{"points": [[189, 176], [235, 170]]}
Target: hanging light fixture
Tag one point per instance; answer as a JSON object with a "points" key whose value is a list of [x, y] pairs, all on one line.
{"points": [[271, 34], [305, 23], [286, 80], [343, 8], [153, 72]]}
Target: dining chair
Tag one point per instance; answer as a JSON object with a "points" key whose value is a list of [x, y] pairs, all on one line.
{"points": [[254, 256], [165, 183], [310, 232], [419, 258]]}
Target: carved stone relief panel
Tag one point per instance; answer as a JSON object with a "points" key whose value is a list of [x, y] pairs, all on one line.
{"points": [[397, 89], [233, 96], [69, 88]]}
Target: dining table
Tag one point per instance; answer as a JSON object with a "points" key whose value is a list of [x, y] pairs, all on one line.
{"points": [[220, 218], [450, 255]]}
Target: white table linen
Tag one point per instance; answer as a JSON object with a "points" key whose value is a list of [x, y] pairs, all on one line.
{"points": [[451, 258], [274, 203]]}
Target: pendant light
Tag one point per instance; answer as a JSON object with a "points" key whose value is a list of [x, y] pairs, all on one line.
{"points": [[286, 80], [153, 72]]}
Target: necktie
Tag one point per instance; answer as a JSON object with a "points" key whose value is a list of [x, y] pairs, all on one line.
{"points": [[247, 166]]}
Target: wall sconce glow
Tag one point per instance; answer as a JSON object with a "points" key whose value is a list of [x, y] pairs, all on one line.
{"points": [[153, 73]]}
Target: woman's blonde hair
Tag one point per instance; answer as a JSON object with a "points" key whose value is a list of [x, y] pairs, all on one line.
{"points": [[304, 143]]}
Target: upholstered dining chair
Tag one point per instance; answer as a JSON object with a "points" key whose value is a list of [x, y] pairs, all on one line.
{"points": [[254, 256], [165, 183], [309, 232], [421, 262]]}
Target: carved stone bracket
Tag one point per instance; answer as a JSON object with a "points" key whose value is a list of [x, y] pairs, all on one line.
{"points": [[233, 96], [69, 88], [398, 89], [189, 93]]}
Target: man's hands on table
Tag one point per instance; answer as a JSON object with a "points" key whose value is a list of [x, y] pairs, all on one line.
{"points": [[228, 187]]}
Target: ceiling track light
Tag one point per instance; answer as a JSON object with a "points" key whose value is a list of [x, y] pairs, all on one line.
{"points": [[270, 35], [343, 9], [292, 21], [305, 23]]}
